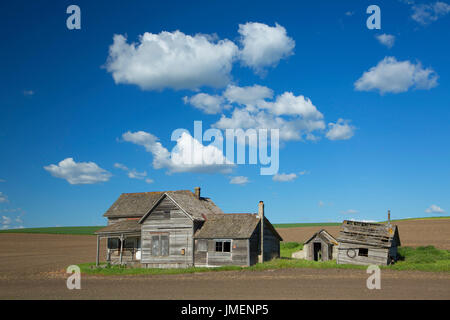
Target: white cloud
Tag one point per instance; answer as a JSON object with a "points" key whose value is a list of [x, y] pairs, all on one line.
{"points": [[434, 209], [350, 211], [321, 204], [189, 155], [148, 180], [264, 46], [78, 173], [3, 197], [349, 13], [428, 13], [284, 177], [171, 60], [239, 180], [132, 173], [210, 104], [341, 130], [6, 220], [295, 116], [250, 96], [390, 75], [386, 39], [2, 180], [28, 92], [289, 104]]}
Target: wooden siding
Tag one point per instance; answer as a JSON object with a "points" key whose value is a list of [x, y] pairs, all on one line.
{"points": [[166, 218], [349, 253], [271, 245], [237, 257]]}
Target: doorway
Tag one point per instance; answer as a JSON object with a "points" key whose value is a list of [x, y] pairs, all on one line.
{"points": [[317, 251]]}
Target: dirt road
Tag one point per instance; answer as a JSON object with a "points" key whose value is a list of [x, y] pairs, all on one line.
{"points": [[276, 284]]}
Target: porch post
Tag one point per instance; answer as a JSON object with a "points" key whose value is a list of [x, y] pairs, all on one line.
{"points": [[121, 248], [98, 251]]}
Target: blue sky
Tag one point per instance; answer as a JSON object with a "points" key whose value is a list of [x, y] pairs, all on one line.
{"points": [[73, 94]]}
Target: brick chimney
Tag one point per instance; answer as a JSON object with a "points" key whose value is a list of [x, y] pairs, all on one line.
{"points": [[197, 192], [261, 219]]}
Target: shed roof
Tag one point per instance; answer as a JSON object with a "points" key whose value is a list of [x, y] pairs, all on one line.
{"points": [[139, 204], [324, 235], [231, 226], [367, 233], [125, 226]]}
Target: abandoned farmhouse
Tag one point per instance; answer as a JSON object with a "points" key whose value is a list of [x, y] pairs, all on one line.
{"points": [[178, 229]]}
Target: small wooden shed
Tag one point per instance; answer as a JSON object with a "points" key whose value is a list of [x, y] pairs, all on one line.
{"points": [[321, 246], [367, 243]]}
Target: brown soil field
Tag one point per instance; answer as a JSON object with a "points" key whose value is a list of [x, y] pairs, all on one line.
{"points": [[32, 266], [413, 233]]}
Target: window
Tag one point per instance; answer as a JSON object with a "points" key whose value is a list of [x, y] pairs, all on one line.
{"points": [[202, 246], [223, 246], [113, 243], [363, 252], [160, 245]]}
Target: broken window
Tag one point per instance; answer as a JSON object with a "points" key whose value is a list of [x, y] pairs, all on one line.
{"points": [[363, 252]]}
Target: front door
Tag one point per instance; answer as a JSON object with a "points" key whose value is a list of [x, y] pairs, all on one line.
{"points": [[317, 251]]}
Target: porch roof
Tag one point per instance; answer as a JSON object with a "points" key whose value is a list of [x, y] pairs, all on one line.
{"points": [[126, 226]]}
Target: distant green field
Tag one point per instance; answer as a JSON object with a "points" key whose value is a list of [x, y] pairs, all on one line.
{"points": [[56, 230]]}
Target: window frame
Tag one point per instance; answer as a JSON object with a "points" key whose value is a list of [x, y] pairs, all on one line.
{"points": [[364, 253], [222, 245], [159, 237]]}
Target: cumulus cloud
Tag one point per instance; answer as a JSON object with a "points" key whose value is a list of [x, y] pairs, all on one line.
{"points": [[6, 220], [434, 209], [133, 173], [386, 39], [189, 155], [171, 60], [390, 75], [428, 13], [239, 180], [78, 173], [341, 130], [264, 46], [209, 104], [250, 96], [295, 116], [3, 198], [284, 177]]}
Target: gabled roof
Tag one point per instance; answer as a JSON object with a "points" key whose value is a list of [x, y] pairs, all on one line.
{"points": [[231, 226], [372, 234], [137, 205], [324, 235], [195, 208], [125, 226]]}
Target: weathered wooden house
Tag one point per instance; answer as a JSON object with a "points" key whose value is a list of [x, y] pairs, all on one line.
{"points": [[367, 243], [321, 246], [178, 229]]}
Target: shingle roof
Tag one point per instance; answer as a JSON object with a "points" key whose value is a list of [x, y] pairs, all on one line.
{"points": [[125, 226], [139, 204], [228, 225], [374, 234], [323, 234]]}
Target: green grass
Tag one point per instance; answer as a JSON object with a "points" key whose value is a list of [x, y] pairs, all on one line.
{"points": [[420, 259], [56, 230]]}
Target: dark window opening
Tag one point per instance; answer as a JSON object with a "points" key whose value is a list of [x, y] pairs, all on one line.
{"points": [[363, 252], [223, 246]]}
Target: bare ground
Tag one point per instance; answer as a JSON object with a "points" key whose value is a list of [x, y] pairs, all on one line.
{"points": [[32, 267]]}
